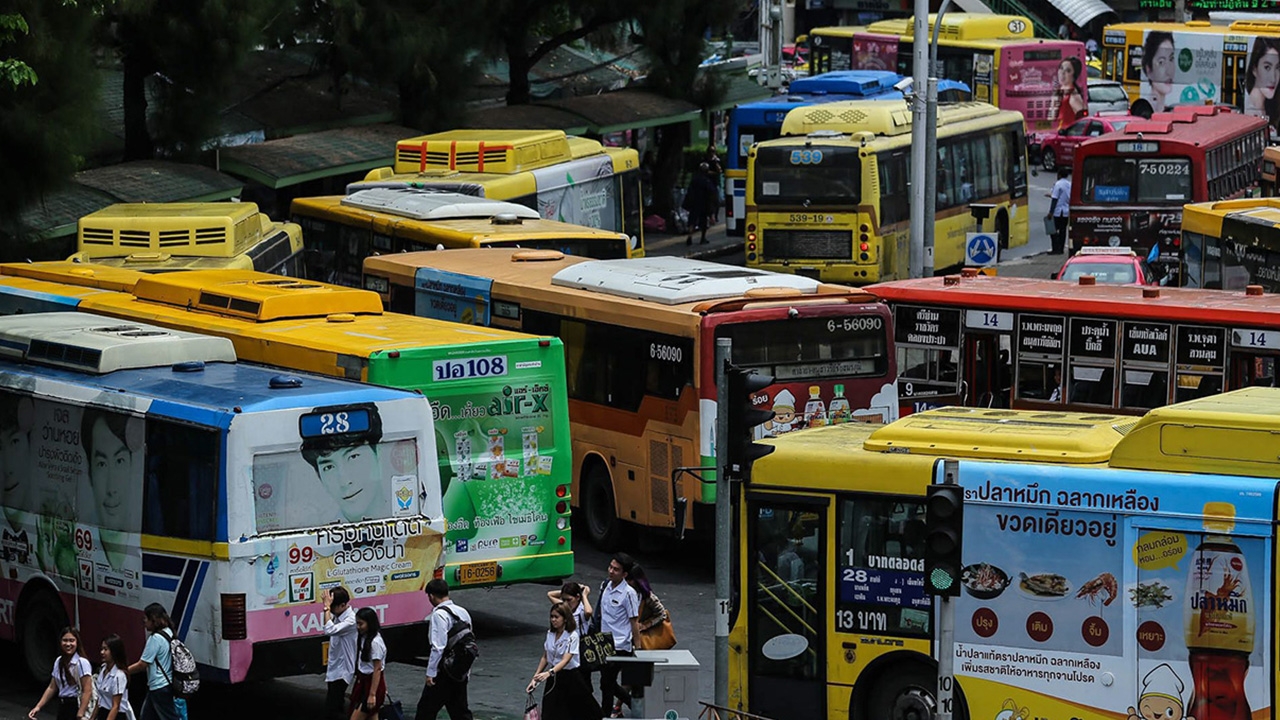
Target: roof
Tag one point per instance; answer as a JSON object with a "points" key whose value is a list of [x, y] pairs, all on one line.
{"points": [[627, 109], [293, 160], [1083, 12]]}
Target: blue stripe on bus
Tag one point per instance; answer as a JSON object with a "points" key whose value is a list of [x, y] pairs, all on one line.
{"points": [[163, 583], [162, 565], [184, 592], [202, 569]]}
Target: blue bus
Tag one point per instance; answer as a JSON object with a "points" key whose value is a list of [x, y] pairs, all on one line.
{"points": [[755, 122], [140, 464]]}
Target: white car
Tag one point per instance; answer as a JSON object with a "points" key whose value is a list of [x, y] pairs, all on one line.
{"points": [[1107, 96]]}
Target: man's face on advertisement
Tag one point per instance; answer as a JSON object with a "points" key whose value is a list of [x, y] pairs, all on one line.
{"points": [[14, 447], [352, 478], [111, 472]]}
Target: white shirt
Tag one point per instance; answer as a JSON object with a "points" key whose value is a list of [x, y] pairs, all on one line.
{"points": [[342, 646], [618, 604], [110, 682], [377, 651], [79, 668], [580, 619], [440, 622], [1062, 193], [556, 647]]}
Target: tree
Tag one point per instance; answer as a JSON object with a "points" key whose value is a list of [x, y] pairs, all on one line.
{"points": [[14, 72]]}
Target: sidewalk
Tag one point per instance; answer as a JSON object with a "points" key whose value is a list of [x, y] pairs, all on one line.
{"points": [[719, 246]]}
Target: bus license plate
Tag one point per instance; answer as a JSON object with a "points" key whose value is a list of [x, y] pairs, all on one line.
{"points": [[324, 653], [480, 572]]}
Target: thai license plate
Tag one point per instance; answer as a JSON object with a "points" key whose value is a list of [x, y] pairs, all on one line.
{"points": [[479, 572]]}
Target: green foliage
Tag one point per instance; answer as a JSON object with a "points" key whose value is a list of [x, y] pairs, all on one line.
{"points": [[14, 72]]}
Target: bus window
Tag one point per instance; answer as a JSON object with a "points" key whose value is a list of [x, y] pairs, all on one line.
{"points": [[1039, 380], [927, 371], [182, 481], [874, 536]]}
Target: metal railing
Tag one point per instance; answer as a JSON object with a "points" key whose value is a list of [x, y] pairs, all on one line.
{"points": [[715, 712]]}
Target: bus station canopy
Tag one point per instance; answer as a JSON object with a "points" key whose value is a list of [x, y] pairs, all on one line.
{"points": [[1083, 12], [312, 156]]}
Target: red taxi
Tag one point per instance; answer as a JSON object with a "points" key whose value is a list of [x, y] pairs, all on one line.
{"points": [[1059, 148], [1112, 265]]}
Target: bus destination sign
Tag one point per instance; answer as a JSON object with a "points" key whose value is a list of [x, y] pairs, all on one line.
{"points": [[935, 327]]}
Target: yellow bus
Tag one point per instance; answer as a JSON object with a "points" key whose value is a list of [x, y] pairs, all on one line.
{"points": [[564, 177], [831, 198], [498, 398], [345, 229], [639, 340], [162, 237], [1090, 547], [995, 55], [1267, 182], [1231, 244], [1222, 62]]}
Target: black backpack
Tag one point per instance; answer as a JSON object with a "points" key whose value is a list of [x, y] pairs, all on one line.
{"points": [[460, 648], [185, 680]]}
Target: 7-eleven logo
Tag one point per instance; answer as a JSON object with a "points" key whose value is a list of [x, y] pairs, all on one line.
{"points": [[301, 587]]}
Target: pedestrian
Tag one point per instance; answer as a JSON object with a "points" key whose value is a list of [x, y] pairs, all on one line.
{"points": [[698, 200], [71, 680], [157, 661], [340, 627], [575, 596], [567, 694], [652, 613], [442, 691], [619, 608], [715, 172], [370, 688], [1060, 210], [112, 682]]}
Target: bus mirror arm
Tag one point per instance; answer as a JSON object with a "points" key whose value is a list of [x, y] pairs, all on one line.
{"points": [[680, 506]]}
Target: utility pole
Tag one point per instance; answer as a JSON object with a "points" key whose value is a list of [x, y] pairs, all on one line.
{"points": [[919, 149], [931, 141], [770, 12], [724, 519]]}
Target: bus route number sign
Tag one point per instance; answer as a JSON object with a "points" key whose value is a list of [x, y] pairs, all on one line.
{"points": [[806, 157], [334, 422], [1137, 147], [1268, 339], [478, 367]]}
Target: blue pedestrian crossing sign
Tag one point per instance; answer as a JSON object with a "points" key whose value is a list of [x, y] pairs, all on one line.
{"points": [[981, 249]]}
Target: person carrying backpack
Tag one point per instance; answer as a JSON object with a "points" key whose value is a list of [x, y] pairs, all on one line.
{"points": [[157, 661], [453, 649]]}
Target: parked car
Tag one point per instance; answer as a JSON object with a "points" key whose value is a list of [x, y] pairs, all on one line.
{"points": [[1107, 96], [1060, 148], [1108, 265]]}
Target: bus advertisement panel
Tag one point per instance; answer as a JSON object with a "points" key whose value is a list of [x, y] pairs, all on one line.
{"points": [[1187, 72]]}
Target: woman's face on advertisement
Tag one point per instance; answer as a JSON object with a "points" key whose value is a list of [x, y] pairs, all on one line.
{"points": [[1266, 74], [1162, 64], [1066, 74]]}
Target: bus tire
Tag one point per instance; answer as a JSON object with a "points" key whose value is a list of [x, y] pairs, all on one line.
{"points": [[1002, 230], [40, 618], [905, 691], [599, 515], [1141, 108]]}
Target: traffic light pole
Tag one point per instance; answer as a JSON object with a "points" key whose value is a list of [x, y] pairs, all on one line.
{"points": [[946, 626], [720, 442]]}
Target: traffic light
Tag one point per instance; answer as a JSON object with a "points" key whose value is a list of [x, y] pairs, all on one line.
{"points": [[742, 417], [943, 518]]}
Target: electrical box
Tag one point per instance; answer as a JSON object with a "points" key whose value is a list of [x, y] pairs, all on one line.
{"points": [[671, 692]]}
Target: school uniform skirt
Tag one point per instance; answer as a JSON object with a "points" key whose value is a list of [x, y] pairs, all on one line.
{"points": [[68, 707], [360, 693], [568, 696]]}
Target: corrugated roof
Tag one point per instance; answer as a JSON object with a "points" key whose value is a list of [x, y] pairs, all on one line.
{"points": [[292, 160], [160, 181], [1082, 12]]}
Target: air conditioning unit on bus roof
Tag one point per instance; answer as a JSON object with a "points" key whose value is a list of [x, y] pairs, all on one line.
{"points": [[214, 229], [426, 204], [94, 344], [675, 280]]}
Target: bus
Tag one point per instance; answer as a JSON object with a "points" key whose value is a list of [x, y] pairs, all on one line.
{"points": [[344, 230], [163, 237], [1004, 342], [754, 122], [145, 464], [567, 178], [498, 397], [1128, 186], [1270, 157], [831, 199], [1221, 64], [1093, 551], [996, 56], [1232, 244], [639, 341]]}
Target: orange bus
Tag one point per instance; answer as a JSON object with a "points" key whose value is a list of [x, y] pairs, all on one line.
{"points": [[1270, 158], [986, 341]]}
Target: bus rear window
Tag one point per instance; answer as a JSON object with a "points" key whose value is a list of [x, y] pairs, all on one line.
{"points": [[812, 348], [601, 249], [795, 175], [1120, 180]]}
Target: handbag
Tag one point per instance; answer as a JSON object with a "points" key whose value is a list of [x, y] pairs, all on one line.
{"points": [[1049, 226], [531, 709], [658, 637], [391, 709], [594, 650]]}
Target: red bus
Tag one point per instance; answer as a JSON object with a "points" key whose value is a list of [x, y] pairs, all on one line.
{"points": [[1128, 187], [983, 341]]}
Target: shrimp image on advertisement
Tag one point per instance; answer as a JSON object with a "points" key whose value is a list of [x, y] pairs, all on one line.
{"points": [[1105, 584]]}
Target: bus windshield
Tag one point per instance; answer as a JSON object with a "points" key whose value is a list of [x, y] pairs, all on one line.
{"points": [[1162, 180], [792, 175], [813, 348]]}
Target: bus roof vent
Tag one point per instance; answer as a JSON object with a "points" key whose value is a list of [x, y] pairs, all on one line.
{"points": [[530, 255], [256, 296], [503, 152], [93, 344], [860, 83], [993, 434], [427, 204], [675, 280], [882, 117], [213, 229]]}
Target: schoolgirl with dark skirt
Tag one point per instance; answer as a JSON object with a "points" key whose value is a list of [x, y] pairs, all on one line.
{"points": [[567, 695], [71, 679], [370, 688]]}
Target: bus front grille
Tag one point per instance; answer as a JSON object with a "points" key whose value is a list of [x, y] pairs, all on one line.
{"points": [[807, 244]]}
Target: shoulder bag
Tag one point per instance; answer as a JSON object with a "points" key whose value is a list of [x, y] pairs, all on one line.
{"points": [[655, 633]]}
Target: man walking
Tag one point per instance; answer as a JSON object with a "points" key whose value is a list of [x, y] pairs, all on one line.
{"points": [[619, 608], [340, 626], [698, 200], [1060, 209], [442, 691]]}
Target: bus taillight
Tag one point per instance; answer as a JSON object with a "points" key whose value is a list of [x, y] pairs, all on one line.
{"points": [[235, 620], [562, 491], [562, 507]]}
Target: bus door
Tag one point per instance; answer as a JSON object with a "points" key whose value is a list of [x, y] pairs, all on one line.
{"points": [[787, 606], [1253, 357], [988, 372], [927, 340]]}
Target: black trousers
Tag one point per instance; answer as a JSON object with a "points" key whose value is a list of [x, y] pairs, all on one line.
{"points": [[1059, 239], [609, 687], [335, 700], [447, 693]]}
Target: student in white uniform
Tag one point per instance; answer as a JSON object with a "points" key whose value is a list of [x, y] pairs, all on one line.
{"points": [[112, 682], [370, 689], [567, 694], [340, 626], [71, 681]]}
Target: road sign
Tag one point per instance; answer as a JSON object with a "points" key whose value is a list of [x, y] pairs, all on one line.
{"points": [[981, 249]]}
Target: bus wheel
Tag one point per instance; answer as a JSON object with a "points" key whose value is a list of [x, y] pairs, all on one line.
{"points": [[904, 692], [40, 619], [602, 524], [1141, 109]]}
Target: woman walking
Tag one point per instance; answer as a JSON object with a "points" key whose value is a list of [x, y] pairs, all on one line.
{"points": [[112, 682], [567, 695], [652, 614], [574, 595], [71, 680], [370, 688], [157, 661]]}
